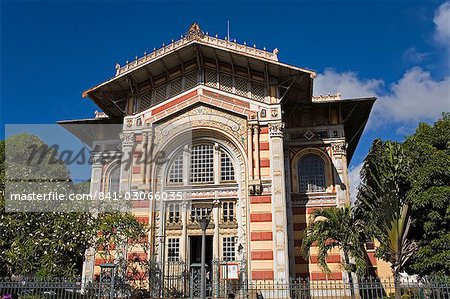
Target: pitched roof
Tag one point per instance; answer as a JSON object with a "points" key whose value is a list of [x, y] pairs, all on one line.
{"points": [[193, 42]]}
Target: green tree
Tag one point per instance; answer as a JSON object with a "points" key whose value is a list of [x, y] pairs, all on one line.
{"points": [[44, 243], [429, 197], [337, 228], [53, 244], [118, 233], [382, 202]]}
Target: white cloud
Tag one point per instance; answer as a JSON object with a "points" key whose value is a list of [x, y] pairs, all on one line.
{"points": [[414, 97], [354, 180], [411, 55], [347, 83], [442, 22]]}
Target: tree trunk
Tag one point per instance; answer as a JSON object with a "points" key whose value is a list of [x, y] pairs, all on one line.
{"points": [[398, 292], [350, 278]]}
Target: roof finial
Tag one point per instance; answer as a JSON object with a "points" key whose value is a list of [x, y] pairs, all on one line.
{"points": [[195, 27], [194, 31]]}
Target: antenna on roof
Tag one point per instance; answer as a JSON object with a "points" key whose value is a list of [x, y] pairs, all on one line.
{"points": [[228, 30]]}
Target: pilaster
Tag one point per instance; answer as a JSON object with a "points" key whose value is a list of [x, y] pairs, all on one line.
{"points": [[95, 188], [339, 152], [279, 211], [126, 164]]}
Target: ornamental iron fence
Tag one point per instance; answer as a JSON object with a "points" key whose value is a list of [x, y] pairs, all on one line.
{"points": [[222, 283]]}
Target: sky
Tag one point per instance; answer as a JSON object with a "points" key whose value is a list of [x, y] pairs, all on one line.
{"points": [[398, 51]]}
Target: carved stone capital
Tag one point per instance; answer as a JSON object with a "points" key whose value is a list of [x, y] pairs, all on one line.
{"points": [[256, 129], [255, 188], [148, 135], [127, 139], [276, 130], [97, 160], [339, 148]]}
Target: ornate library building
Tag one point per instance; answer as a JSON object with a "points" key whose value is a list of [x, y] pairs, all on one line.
{"points": [[218, 130]]}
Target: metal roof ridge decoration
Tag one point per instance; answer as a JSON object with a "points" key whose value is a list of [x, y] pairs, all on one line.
{"points": [[100, 114], [327, 97], [195, 34]]}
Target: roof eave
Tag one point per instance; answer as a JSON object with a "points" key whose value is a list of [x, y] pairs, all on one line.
{"points": [[87, 93]]}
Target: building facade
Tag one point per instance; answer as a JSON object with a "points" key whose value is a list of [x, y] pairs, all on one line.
{"points": [[243, 140]]}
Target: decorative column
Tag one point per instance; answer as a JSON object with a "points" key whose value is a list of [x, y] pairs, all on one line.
{"points": [[126, 165], [256, 157], [127, 161], [250, 150], [147, 167], [216, 219], [339, 150], [279, 212], [216, 162], [184, 235], [95, 188], [143, 159], [149, 152]]}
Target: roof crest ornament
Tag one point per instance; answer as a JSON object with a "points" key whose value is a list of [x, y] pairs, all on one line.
{"points": [[196, 34], [327, 97]]}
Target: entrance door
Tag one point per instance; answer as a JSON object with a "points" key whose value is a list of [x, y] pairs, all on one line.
{"points": [[195, 256], [195, 250]]}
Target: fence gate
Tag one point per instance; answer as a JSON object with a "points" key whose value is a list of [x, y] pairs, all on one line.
{"points": [[169, 279]]}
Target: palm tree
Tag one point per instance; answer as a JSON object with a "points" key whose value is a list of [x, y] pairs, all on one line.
{"points": [[383, 204], [337, 228]]}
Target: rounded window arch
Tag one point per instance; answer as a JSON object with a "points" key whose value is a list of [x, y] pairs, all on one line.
{"points": [[311, 174], [202, 163], [114, 180]]}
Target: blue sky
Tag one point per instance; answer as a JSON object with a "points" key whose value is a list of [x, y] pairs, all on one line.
{"points": [[397, 50]]}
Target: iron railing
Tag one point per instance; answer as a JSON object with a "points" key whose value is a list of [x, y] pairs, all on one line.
{"points": [[178, 287], [367, 288], [52, 288]]}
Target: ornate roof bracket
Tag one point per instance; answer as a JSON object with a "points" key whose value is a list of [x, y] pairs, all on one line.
{"points": [[216, 59], [166, 69], [232, 62], [117, 106], [286, 88], [182, 62], [134, 91], [249, 73], [150, 76], [266, 74], [351, 112], [358, 131], [198, 54]]}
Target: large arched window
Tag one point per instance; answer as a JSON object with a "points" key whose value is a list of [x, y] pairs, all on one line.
{"points": [[311, 174], [114, 180], [206, 164]]}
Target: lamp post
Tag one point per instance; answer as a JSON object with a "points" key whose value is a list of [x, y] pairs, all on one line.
{"points": [[203, 221]]}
